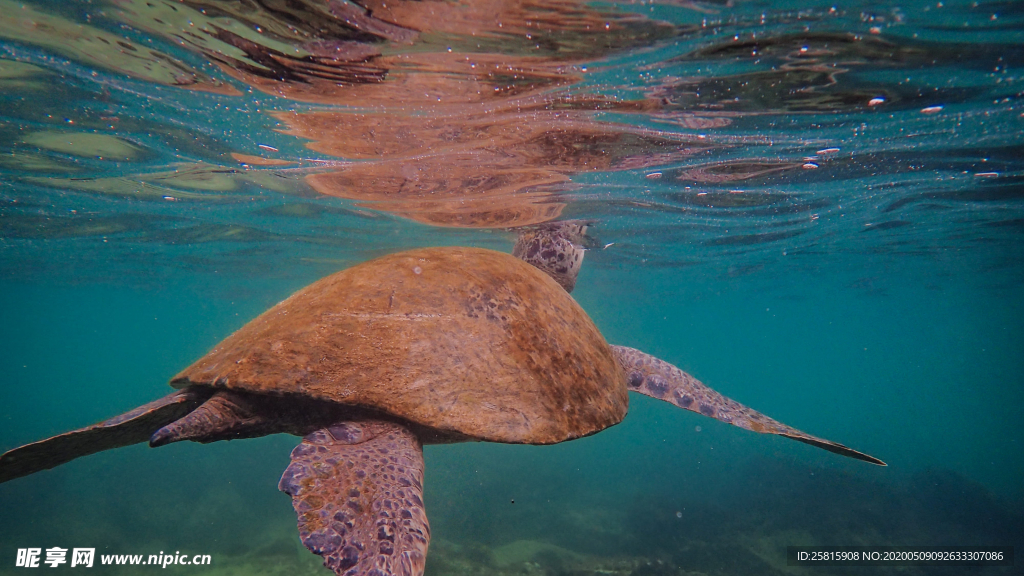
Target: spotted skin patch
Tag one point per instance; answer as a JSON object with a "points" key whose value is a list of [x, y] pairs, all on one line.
{"points": [[357, 488], [659, 379], [556, 248]]}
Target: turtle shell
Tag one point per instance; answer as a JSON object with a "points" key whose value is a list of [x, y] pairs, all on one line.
{"points": [[461, 340]]}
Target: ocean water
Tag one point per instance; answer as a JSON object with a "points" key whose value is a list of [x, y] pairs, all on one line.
{"points": [[815, 208]]}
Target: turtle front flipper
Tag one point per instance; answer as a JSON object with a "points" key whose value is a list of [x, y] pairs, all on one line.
{"points": [[556, 248], [659, 379], [128, 428], [357, 488]]}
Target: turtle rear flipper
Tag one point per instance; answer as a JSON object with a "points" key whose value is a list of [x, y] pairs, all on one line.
{"points": [[237, 414], [357, 488], [659, 379], [128, 428]]}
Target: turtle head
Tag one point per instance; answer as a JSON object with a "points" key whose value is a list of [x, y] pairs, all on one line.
{"points": [[556, 248]]}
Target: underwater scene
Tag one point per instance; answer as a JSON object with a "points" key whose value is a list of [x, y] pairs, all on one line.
{"points": [[812, 209]]}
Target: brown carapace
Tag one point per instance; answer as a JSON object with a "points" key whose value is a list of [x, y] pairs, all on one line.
{"points": [[462, 340], [433, 345]]}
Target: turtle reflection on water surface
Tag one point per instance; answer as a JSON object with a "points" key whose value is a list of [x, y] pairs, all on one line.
{"points": [[434, 345]]}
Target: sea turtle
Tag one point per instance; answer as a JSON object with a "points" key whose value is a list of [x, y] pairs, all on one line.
{"points": [[433, 345]]}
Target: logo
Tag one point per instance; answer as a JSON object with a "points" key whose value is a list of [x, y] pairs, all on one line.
{"points": [[30, 557]]}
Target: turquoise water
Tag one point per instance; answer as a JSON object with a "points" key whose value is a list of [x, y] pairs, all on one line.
{"points": [[815, 209]]}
